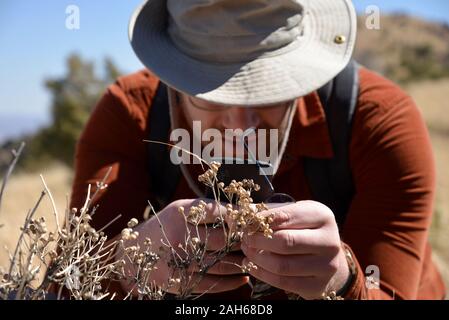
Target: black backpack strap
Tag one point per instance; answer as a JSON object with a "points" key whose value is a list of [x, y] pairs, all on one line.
{"points": [[164, 175], [330, 180]]}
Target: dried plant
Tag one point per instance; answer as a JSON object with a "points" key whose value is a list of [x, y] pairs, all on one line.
{"points": [[81, 263], [237, 217]]}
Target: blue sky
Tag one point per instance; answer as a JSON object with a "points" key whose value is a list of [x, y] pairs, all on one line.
{"points": [[34, 43]]}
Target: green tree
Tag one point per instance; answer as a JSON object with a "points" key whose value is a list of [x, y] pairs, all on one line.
{"points": [[74, 96]]}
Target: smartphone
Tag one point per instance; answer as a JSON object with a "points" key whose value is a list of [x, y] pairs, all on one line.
{"points": [[238, 169]]}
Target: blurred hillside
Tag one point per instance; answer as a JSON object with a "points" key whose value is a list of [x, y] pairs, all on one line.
{"points": [[73, 97], [405, 49]]}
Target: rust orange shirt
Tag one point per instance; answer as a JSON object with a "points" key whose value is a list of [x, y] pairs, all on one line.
{"points": [[390, 157]]}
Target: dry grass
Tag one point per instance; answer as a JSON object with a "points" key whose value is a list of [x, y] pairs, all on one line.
{"points": [[21, 194]]}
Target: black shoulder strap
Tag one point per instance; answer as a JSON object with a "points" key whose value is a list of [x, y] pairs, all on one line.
{"points": [[164, 175], [330, 180]]}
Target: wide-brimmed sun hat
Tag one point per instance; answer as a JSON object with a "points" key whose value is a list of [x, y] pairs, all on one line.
{"points": [[248, 52]]}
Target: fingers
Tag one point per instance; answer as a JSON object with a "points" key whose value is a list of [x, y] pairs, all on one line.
{"points": [[213, 210], [288, 242], [299, 215], [215, 284], [229, 265], [306, 287], [214, 238], [293, 265]]}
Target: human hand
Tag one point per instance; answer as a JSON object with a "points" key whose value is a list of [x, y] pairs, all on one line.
{"points": [[174, 227], [304, 256]]}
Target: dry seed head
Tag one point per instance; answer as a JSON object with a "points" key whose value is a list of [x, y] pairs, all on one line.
{"points": [[126, 234], [215, 166], [101, 185], [84, 227], [247, 268], [134, 235], [133, 222], [174, 281]]}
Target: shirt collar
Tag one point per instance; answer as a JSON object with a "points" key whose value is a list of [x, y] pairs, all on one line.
{"points": [[309, 135]]}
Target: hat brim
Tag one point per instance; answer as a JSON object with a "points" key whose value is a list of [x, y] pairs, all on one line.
{"points": [[308, 64]]}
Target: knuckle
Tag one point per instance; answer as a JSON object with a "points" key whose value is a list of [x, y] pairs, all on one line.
{"points": [[333, 248], [288, 241], [326, 212], [332, 266], [282, 217]]}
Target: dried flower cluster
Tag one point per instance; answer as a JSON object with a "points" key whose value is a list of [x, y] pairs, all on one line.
{"points": [[76, 258], [241, 212], [81, 263], [143, 259]]}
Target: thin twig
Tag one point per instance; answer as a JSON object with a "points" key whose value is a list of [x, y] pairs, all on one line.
{"points": [[182, 149], [25, 227], [53, 204], [16, 156]]}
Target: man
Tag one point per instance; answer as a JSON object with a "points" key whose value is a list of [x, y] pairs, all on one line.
{"points": [[258, 64]]}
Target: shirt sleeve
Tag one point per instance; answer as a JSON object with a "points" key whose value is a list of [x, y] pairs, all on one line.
{"points": [[394, 174], [113, 138]]}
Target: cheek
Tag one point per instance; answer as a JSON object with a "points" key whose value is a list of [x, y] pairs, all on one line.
{"points": [[208, 120], [273, 119]]}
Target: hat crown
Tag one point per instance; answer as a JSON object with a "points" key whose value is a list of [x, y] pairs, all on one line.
{"points": [[233, 31]]}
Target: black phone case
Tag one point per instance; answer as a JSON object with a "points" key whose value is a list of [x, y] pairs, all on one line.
{"points": [[246, 170]]}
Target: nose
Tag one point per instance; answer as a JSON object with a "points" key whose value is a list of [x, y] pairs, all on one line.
{"points": [[240, 118]]}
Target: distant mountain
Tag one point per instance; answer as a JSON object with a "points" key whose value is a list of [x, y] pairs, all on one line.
{"points": [[12, 126], [405, 48]]}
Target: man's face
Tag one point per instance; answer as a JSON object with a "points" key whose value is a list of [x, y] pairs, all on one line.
{"points": [[222, 117]]}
